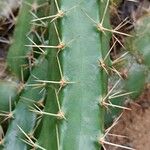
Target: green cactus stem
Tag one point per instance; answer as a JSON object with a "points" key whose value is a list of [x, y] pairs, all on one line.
{"points": [[20, 55], [8, 94], [77, 82], [139, 45], [23, 119], [135, 67], [130, 87]]}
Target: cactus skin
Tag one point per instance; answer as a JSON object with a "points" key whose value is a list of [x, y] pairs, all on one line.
{"points": [[23, 117], [139, 45], [18, 51], [8, 92], [84, 124], [137, 63], [19, 54], [134, 81]]}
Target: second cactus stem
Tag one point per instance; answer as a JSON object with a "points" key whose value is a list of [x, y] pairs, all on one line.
{"points": [[77, 81]]}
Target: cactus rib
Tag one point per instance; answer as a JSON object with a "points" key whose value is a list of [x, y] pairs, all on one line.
{"points": [[18, 51], [20, 54], [23, 117], [83, 83]]}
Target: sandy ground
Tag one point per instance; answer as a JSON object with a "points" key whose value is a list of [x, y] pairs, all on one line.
{"points": [[134, 125]]}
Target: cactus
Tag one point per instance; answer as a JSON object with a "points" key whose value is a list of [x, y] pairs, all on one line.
{"points": [[139, 46], [135, 67], [77, 83], [19, 52], [130, 86], [9, 92], [12, 90], [72, 76], [22, 117]]}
